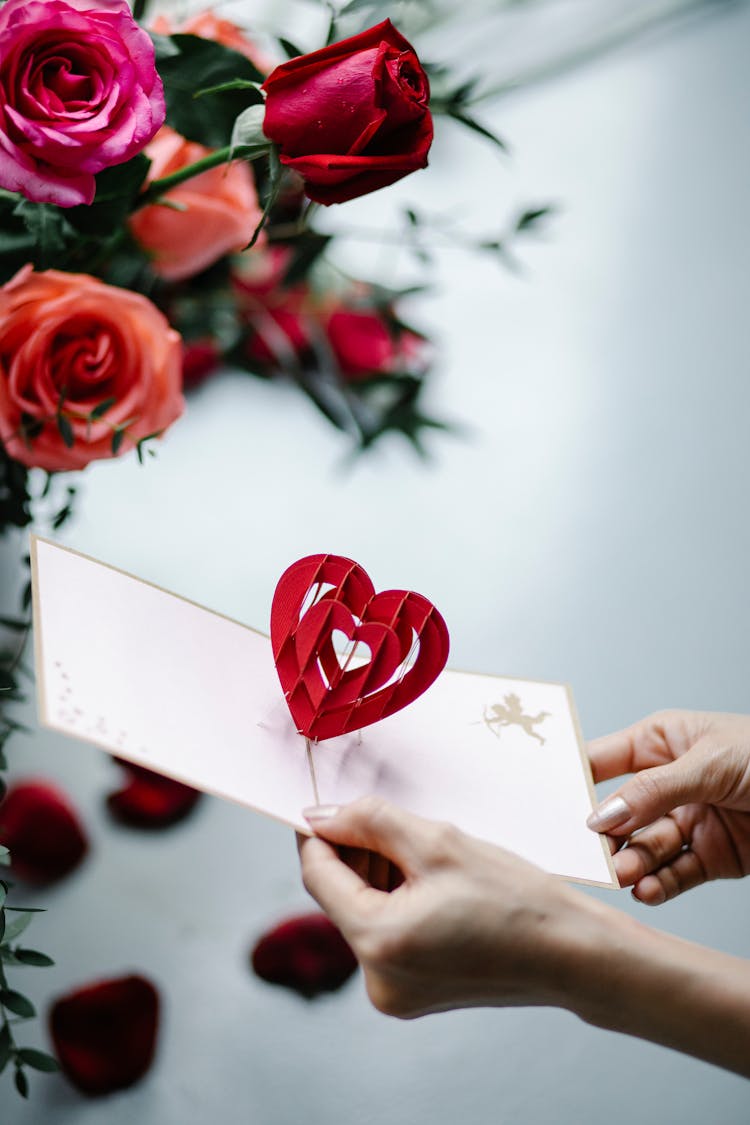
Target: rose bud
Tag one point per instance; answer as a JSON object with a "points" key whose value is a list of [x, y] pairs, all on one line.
{"points": [[42, 831], [306, 954], [200, 360], [149, 800], [279, 319], [79, 92], [352, 117], [104, 1034], [365, 343]]}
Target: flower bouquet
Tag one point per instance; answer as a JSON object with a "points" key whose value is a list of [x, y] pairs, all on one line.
{"points": [[159, 185]]}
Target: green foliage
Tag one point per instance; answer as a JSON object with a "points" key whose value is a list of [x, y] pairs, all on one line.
{"points": [[188, 64], [15, 498], [117, 189], [454, 101], [14, 920]]}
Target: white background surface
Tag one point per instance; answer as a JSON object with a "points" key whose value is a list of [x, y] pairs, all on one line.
{"points": [[594, 529]]}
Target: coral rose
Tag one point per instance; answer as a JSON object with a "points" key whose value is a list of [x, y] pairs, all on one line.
{"points": [[206, 25], [42, 830], [105, 1034], [352, 117], [306, 954], [71, 345], [218, 210], [79, 92]]}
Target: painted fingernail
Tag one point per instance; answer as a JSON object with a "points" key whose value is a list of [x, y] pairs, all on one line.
{"points": [[317, 813], [609, 814]]}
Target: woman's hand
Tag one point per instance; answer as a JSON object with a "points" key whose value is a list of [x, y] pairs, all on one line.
{"points": [[690, 798], [468, 924]]}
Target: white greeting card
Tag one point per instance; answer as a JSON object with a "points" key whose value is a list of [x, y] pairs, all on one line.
{"points": [[168, 684]]}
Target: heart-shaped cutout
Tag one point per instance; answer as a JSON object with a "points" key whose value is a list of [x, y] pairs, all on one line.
{"points": [[406, 638]]}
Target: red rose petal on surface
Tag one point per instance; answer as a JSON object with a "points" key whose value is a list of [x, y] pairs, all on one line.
{"points": [[306, 954], [42, 830], [149, 800], [105, 1033]]}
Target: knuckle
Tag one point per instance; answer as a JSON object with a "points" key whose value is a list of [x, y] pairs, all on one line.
{"points": [[372, 809], [648, 786], [444, 842]]}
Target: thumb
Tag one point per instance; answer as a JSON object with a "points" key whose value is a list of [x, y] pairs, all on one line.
{"points": [[693, 777], [377, 826]]}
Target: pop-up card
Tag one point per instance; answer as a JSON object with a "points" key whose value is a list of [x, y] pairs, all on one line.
{"points": [[349, 696]]}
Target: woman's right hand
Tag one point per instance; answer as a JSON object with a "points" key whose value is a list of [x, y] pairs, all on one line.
{"points": [[684, 818]]}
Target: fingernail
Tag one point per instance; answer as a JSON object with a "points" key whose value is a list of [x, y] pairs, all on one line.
{"points": [[609, 814], [317, 813]]}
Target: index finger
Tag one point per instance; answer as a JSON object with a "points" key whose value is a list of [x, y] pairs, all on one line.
{"points": [[343, 894]]}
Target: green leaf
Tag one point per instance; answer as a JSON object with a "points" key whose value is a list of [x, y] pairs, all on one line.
{"points": [[33, 957], [102, 407], [16, 1002], [4, 854], [248, 137], [6, 1046], [22, 1083], [66, 430], [475, 126], [357, 6], [39, 1060], [275, 169], [290, 49], [533, 216], [201, 64], [235, 84], [307, 249], [117, 189], [50, 230], [15, 928], [13, 624], [3, 894], [164, 48], [117, 439]]}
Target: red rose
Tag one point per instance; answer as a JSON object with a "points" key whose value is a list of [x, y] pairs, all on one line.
{"points": [[365, 343], [200, 359], [307, 954], [353, 117], [280, 320], [150, 800], [105, 1034], [42, 830]]}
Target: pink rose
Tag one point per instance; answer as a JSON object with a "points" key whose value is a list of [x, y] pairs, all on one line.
{"points": [[69, 345], [79, 92], [218, 210]]}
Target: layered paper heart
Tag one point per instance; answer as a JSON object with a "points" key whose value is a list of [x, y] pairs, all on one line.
{"points": [[396, 646]]}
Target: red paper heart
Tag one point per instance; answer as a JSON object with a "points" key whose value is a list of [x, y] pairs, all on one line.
{"points": [[323, 594]]}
